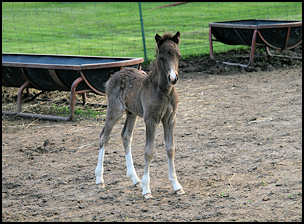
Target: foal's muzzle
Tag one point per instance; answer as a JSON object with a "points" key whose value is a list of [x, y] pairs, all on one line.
{"points": [[173, 77]]}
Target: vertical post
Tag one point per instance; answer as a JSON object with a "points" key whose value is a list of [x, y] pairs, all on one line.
{"points": [[19, 96], [73, 97], [253, 43], [142, 31], [210, 43], [287, 38]]}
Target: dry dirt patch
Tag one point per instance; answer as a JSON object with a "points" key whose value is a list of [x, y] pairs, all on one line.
{"points": [[239, 158]]}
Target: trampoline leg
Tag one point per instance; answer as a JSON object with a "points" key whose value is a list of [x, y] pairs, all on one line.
{"points": [[268, 51], [253, 43], [210, 44], [19, 96], [83, 98], [282, 56], [287, 38], [73, 97]]}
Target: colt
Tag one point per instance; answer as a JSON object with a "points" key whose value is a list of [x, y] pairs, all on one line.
{"points": [[150, 96]]}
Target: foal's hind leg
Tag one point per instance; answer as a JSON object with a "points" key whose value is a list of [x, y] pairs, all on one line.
{"points": [[168, 125], [127, 134], [114, 112]]}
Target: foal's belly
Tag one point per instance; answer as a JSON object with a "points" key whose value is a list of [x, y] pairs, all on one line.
{"points": [[133, 104], [131, 97]]}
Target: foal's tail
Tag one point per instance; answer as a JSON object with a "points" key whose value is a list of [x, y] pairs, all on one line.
{"points": [[114, 84]]}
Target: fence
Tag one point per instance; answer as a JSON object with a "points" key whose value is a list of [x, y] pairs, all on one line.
{"points": [[114, 29]]}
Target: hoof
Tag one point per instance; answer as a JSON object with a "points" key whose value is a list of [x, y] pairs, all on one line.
{"points": [[148, 196], [101, 185], [138, 184], [180, 192]]}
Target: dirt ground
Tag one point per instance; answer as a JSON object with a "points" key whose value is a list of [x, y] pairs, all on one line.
{"points": [[238, 154]]}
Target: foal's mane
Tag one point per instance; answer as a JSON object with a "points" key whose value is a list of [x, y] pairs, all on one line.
{"points": [[165, 37]]}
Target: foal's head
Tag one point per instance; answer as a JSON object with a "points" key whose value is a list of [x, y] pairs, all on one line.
{"points": [[168, 55]]}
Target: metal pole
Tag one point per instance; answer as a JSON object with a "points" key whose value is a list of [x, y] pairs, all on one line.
{"points": [[210, 43], [142, 31]]}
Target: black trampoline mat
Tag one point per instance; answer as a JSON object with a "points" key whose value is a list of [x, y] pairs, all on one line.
{"points": [[256, 22], [273, 33], [57, 60]]}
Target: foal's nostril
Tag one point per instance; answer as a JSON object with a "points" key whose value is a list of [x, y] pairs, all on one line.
{"points": [[172, 81]]}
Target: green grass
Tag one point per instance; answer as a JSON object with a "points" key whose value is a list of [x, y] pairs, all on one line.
{"points": [[85, 112], [113, 29]]}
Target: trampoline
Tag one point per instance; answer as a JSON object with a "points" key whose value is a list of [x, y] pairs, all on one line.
{"points": [[77, 74], [276, 34]]}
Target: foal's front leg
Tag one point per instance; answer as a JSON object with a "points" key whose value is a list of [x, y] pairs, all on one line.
{"points": [[150, 135], [168, 125]]}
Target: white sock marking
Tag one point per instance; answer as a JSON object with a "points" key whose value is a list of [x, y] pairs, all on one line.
{"points": [[146, 184], [172, 177], [130, 168], [99, 167]]}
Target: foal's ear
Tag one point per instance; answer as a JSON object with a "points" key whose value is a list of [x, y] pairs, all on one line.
{"points": [[158, 39], [176, 37]]}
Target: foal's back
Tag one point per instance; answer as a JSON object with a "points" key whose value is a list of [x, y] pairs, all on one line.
{"points": [[126, 86]]}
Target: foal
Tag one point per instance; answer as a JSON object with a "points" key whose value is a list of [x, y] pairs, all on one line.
{"points": [[151, 96]]}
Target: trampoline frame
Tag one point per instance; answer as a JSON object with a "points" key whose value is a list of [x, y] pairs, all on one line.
{"points": [[254, 36], [73, 88]]}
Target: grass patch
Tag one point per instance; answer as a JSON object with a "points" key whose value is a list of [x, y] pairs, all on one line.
{"points": [[113, 29], [85, 112]]}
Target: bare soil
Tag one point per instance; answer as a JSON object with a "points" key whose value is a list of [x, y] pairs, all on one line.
{"points": [[238, 153]]}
